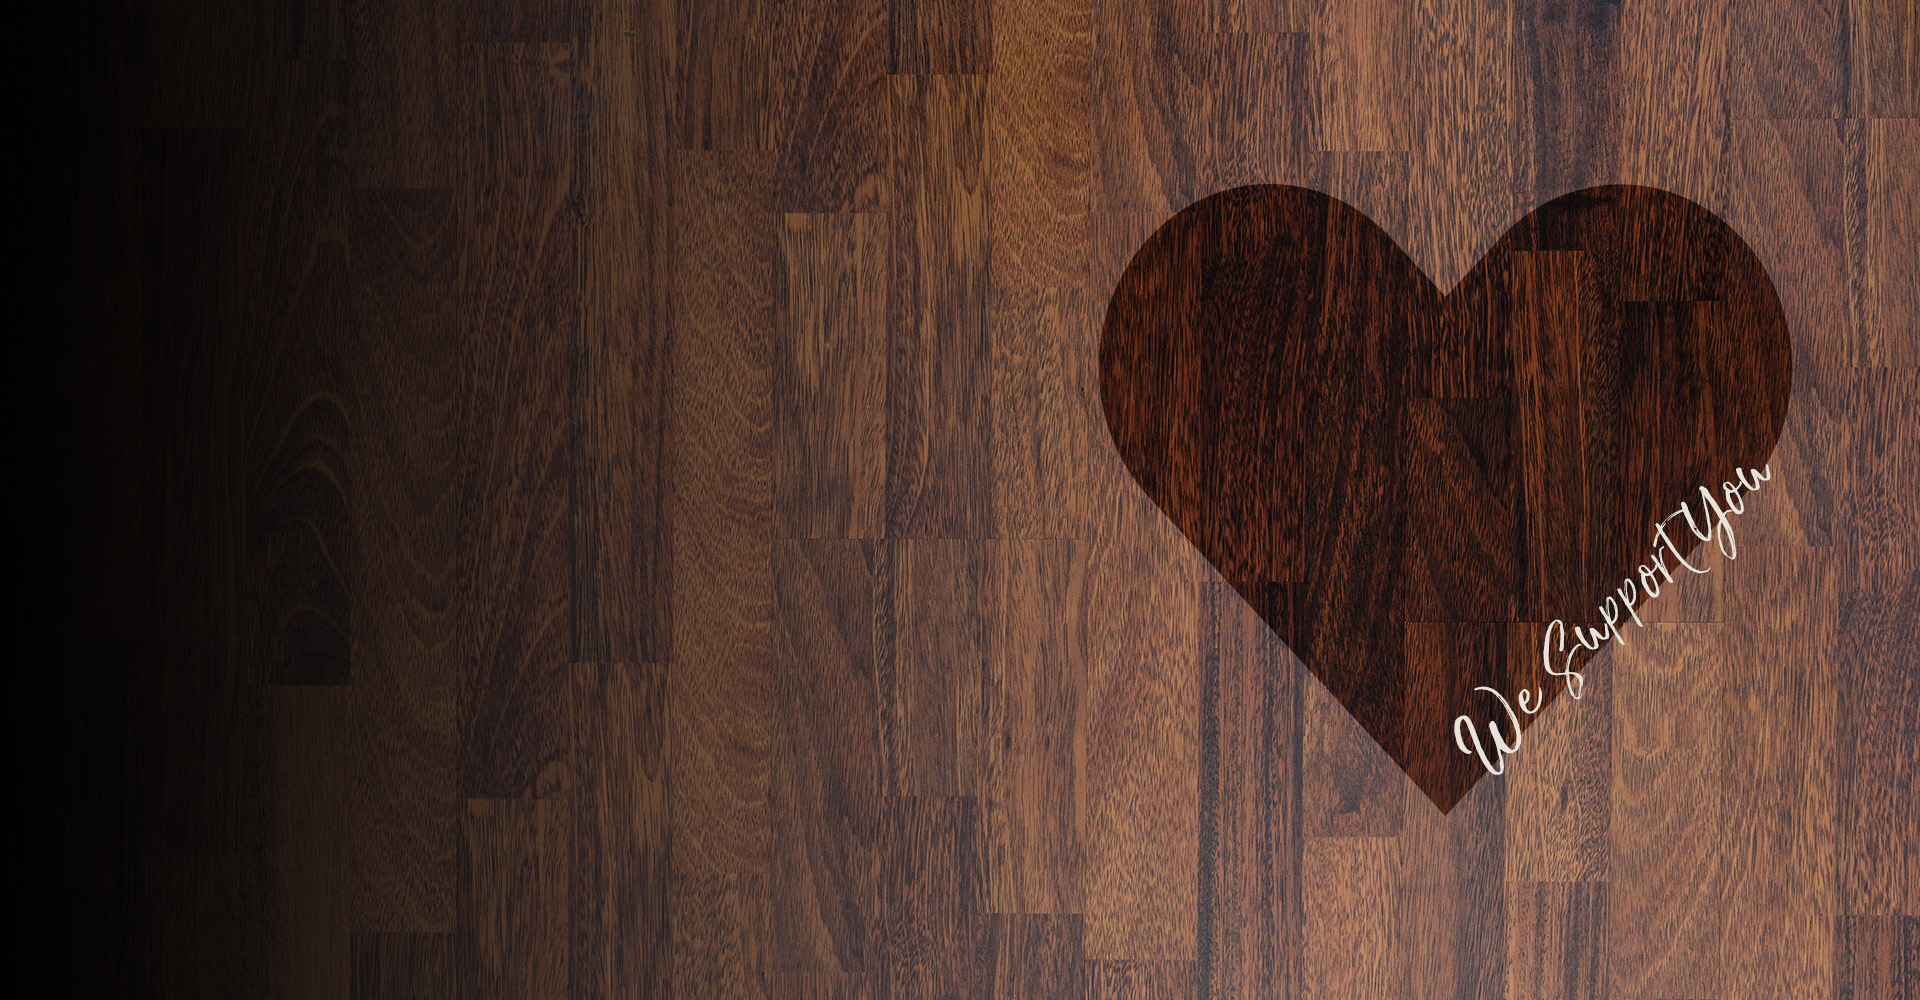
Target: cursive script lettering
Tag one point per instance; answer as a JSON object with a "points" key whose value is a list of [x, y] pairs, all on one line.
{"points": [[1651, 574]]}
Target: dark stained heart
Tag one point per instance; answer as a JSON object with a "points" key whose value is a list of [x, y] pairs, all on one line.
{"points": [[1409, 486]]}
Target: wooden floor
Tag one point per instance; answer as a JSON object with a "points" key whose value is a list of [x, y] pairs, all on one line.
{"points": [[588, 500]]}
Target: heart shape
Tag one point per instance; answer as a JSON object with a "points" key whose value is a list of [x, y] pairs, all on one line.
{"points": [[1409, 486]]}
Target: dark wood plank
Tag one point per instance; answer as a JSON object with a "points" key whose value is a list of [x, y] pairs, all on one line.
{"points": [[403, 752], [834, 148], [1878, 695], [201, 914], [1361, 78], [298, 376], [1556, 940], [831, 384], [731, 63], [407, 72], [720, 695], [1033, 957], [1563, 538], [196, 741], [621, 934], [517, 224], [525, 20], [1884, 224], [620, 458], [199, 734], [1149, 61], [827, 779], [1787, 65], [308, 30], [310, 954], [825, 986], [928, 878], [722, 938], [1251, 808], [196, 68], [1874, 957], [941, 36], [1880, 44], [514, 896], [1566, 111], [396, 966], [936, 627], [1134, 979], [1261, 89]]}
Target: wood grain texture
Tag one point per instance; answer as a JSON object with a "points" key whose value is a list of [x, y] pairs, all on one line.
{"points": [[588, 499], [620, 863], [1032, 780], [939, 371], [721, 710], [1669, 813], [620, 492], [518, 269], [827, 782], [515, 862], [1249, 921], [403, 751], [831, 387], [1556, 940]]}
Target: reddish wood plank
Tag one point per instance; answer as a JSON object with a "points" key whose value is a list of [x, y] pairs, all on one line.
{"points": [[1039, 150], [1668, 818], [830, 392], [1032, 785], [939, 371], [1042, 482], [721, 703], [1143, 744]]}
